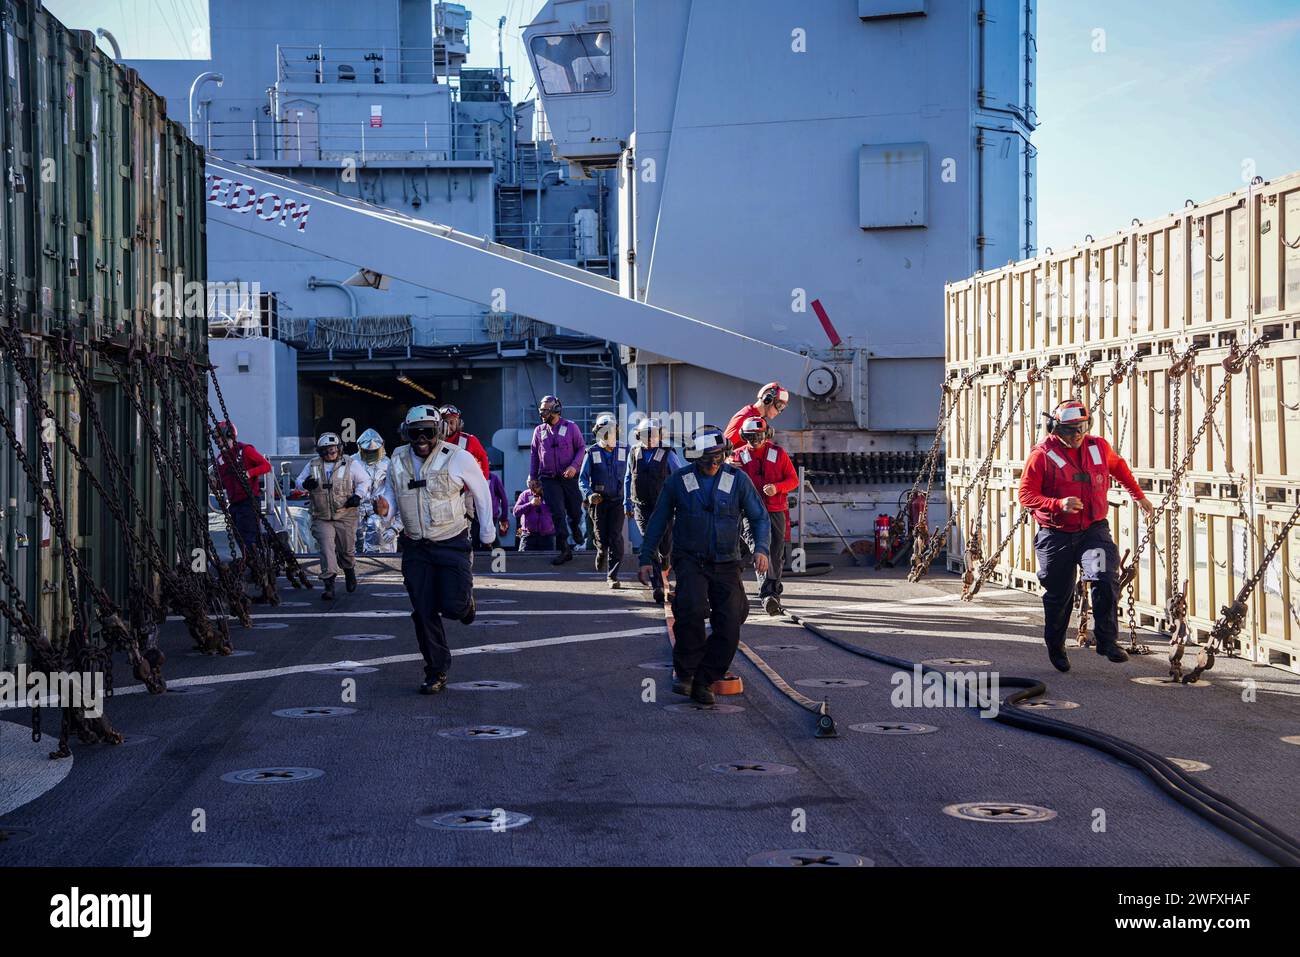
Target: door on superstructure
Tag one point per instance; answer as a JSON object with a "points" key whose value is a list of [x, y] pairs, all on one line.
{"points": [[300, 131]]}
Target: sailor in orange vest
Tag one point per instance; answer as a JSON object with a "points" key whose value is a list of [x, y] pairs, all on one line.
{"points": [[1065, 482]]}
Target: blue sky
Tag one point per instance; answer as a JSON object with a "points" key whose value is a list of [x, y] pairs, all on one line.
{"points": [[1186, 95], [1174, 100]]}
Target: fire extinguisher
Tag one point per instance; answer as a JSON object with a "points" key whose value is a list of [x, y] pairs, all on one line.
{"points": [[882, 540], [914, 509]]}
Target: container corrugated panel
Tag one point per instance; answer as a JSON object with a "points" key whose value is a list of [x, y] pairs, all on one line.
{"points": [[1222, 272], [103, 202]]}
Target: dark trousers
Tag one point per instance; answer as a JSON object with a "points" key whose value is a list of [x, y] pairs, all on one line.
{"points": [[1059, 557], [538, 543], [609, 526], [247, 523], [440, 581], [564, 499], [665, 547], [713, 591], [769, 584]]}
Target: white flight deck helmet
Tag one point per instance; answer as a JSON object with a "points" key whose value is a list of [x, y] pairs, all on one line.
{"points": [[754, 430], [328, 440], [426, 416], [606, 427], [645, 430]]}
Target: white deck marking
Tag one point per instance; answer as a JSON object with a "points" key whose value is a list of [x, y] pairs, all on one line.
{"points": [[26, 771], [406, 613], [390, 659]]}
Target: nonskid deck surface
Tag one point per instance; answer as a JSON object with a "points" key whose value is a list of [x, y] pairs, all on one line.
{"points": [[606, 777]]}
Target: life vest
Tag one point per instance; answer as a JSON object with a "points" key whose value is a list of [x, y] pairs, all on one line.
{"points": [[650, 471], [1062, 479], [606, 471], [429, 499], [765, 469], [330, 493], [708, 527]]}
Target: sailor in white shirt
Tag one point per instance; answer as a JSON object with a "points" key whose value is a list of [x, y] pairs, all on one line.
{"points": [[425, 487], [337, 484]]}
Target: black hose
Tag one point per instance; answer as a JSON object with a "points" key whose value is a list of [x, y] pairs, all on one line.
{"points": [[1220, 811]]}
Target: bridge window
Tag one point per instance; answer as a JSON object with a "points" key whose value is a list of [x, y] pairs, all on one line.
{"points": [[573, 62]]}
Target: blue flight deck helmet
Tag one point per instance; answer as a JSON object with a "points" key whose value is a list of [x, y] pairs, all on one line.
{"points": [[709, 445]]}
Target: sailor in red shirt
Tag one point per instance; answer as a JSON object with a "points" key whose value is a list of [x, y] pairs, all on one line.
{"points": [[771, 402], [1065, 482], [240, 468], [773, 474], [451, 415]]}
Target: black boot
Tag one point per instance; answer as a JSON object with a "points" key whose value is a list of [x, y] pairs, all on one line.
{"points": [[328, 593], [658, 595], [701, 693], [1060, 661], [682, 684], [1113, 652], [435, 685], [350, 579], [468, 617], [565, 556]]}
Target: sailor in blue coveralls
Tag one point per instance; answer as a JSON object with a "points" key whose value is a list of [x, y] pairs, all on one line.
{"points": [[600, 479], [705, 500]]}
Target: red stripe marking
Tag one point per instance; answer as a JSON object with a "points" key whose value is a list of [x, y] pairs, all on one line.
{"points": [[831, 334]]}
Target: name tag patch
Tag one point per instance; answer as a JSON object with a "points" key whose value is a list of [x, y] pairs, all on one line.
{"points": [[563, 430], [771, 455], [1095, 453], [622, 453], [691, 483], [725, 481], [659, 455], [744, 457]]}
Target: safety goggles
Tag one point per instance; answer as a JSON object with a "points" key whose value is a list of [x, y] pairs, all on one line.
{"points": [[421, 433]]}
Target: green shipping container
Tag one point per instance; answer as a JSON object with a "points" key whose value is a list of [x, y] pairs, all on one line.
{"points": [[103, 217]]}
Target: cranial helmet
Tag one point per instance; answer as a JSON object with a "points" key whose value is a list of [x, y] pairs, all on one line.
{"points": [[709, 445], [424, 416], [1070, 416], [606, 424], [549, 404], [773, 394], [326, 440], [447, 410], [226, 430], [754, 430], [645, 430]]}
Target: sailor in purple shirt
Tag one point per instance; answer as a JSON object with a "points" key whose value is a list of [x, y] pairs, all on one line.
{"points": [[556, 456], [536, 531], [500, 507]]}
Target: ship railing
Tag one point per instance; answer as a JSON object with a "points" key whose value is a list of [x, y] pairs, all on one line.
{"points": [[305, 140], [387, 335], [552, 240], [364, 66]]}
